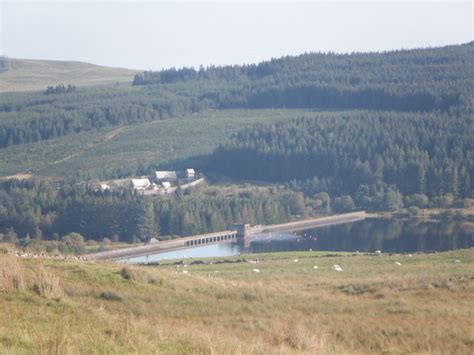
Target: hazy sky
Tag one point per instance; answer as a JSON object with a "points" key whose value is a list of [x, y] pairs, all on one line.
{"points": [[154, 35]]}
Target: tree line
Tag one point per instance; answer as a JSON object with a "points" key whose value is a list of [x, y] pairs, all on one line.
{"points": [[40, 210], [361, 154], [60, 89], [409, 80], [26, 118], [438, 79]]}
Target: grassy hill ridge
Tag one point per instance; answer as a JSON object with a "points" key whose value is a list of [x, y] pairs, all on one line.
{"points": [[31, 74]]}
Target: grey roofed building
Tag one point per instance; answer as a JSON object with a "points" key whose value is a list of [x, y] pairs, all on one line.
{"points": [[166, 175]]}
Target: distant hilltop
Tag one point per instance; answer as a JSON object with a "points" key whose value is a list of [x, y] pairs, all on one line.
{"points": [[30, 74]]}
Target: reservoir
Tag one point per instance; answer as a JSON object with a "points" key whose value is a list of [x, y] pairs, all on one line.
{"points": [[370, 235]]}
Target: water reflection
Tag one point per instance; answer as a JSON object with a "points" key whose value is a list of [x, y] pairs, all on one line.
{"points": [[395, 236]]}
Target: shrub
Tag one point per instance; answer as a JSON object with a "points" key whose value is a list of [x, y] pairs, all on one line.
{"points": [[110, 296], [73, 242], [10, 236], [126, 273], [344, 204], [443, 201], [132, 274], [417, 200], [413, 210], [357, 290], [468, 202]]}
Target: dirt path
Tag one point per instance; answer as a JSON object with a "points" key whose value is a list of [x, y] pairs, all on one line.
{"points": [[105, 138], [19, 176]]}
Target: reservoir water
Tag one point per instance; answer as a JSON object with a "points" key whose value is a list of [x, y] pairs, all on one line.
{"points": [[370, 235]]}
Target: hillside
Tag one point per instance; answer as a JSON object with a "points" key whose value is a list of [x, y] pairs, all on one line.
{"points": [[373, 306], [407, 80], [437, 79], [102, 153], [28, 74], [348, 152], [358, 136]]}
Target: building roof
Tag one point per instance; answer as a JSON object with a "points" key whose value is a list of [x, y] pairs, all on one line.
{"points": [[140, 183], [166, 175], [190, 171]]}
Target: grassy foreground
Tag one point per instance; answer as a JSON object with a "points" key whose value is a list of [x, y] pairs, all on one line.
{"points": [[67, 307]]}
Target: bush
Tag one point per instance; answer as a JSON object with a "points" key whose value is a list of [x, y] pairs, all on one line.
{"points": [[443, 201], [468, 202], [10, 236], [126, 273], [344, 204], [110, 296], [73, 243], [414, 211], [417, 200], [392, 200], [132, 274]]}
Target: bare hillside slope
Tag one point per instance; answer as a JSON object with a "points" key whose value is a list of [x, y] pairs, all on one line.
{"points": [[29, 74]]}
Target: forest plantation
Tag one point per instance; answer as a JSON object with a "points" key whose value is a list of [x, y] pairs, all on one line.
{"points": [[374, 131]]}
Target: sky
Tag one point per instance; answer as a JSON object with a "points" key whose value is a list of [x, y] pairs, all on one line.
{"points": [[157, 34]]}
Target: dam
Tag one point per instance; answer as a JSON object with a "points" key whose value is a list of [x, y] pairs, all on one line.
{"points": [[236, 232]]}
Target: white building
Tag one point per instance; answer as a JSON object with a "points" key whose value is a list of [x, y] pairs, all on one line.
{"points": [[140, 184], [104, 187], [166, 175], [190, 174], [166, 184]]}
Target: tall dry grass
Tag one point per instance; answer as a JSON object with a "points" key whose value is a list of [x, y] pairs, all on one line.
{"points": [[11, 274], [372, 307], [46, 283], [14, 277], [57, 342]]}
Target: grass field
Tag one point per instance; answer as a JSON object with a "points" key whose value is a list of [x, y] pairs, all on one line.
{"points": [[29, 74], [65, 307], [158, 142]]}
